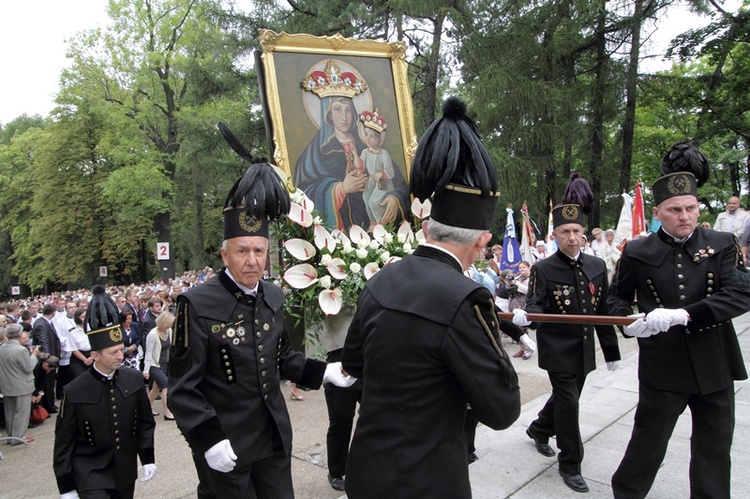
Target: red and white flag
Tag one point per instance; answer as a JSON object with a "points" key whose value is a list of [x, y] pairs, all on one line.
{"points": [[526, 253], [639, 213]]}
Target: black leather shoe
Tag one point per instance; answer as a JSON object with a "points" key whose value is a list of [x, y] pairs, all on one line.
{"points": [[574, 481], [337, 482], [54, 410], [473, 457], [542, 447]]}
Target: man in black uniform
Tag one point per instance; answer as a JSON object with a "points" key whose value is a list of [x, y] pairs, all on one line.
{"points": [[568, 282], [231, 349], [690, 282], [105, 421], [425, 337]]}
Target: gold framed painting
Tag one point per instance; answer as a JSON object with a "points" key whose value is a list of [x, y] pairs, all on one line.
{"points": [[341, 124]]}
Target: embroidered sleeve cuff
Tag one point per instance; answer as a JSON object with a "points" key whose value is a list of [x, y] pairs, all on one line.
{"points": [[700, 315], [147, 456], [611, 353], [312, 375], [66, 483], [206, 435]]}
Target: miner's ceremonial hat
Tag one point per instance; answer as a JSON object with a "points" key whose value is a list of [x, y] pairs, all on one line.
{"points": [[454, 169], [576, 202], [257, 197], [684, 168], [101, 323]]}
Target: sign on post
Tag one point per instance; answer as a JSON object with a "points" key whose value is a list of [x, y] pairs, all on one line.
{"points": [[162, 251]]}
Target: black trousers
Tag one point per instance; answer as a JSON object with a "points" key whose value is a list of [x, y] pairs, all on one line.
{"points": [[559, 417], [268, 478], [710, 444], [48, 401], [342, 404], [470, 429], [126, 493]]}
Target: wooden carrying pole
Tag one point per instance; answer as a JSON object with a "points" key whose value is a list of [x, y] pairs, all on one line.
{"points": [[601, 320]]}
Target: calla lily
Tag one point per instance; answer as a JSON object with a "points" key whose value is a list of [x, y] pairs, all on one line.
{"points": [[281, 173], [371, 269], [337, 268], [421, 210], [300, 249], [300, 216], [393, 259], [339, 234], [323, 238], [420, 236], [379, 233], [301, 276], [306, 202], [405, 231], [358, 235], [330, 301]]}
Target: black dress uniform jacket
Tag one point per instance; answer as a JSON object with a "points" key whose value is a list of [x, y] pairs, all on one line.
{"points": [[560, 285], [702, 277], [425, 341], [102, 427], [229, 354]]}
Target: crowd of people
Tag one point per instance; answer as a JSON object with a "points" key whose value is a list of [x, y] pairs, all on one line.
{"points": [[50, 330]]}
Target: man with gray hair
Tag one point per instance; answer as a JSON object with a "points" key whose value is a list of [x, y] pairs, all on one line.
{"points": [[425, 337], [17, 382]]}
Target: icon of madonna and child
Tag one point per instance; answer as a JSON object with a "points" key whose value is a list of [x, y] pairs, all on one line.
{"points": [[345, 169]]}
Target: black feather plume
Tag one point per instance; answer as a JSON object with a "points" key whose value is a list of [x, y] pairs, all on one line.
{"points": [[235, 143], [260, 190], [579, 192], [686, 157], [450, 151], [101, 311]]}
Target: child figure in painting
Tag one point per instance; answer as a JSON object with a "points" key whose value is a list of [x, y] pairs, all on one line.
{"points": [[378, 164]]}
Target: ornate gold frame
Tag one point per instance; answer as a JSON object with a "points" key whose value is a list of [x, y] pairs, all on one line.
{"points": [[273, 43]]}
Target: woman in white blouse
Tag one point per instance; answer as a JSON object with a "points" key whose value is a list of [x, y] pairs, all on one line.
{"points": [[158, 342]]}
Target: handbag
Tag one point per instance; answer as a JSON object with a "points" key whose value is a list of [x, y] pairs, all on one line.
{"points": [[38, 414]]}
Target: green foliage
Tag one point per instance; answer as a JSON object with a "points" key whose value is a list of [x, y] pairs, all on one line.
{"points": [[132, 149]]}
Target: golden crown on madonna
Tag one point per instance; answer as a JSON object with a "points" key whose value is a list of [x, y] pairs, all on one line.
{"points": [[333, 83]]}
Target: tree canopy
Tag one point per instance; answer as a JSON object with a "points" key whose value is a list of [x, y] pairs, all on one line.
{"points": [[131, 155]]}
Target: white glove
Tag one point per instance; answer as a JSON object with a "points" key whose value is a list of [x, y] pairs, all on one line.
{"points": [[662, 319], [519, 318], [221, 457], [335, 375], [639, 328], [526, 340], [73, 494], [680, 317], [613, 365], [149, 470]]}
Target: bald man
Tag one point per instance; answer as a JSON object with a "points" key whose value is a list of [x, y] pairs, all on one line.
{"points": [[733, 220]]}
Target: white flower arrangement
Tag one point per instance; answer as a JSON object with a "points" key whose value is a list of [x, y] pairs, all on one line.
{"points": [[325, 270]]}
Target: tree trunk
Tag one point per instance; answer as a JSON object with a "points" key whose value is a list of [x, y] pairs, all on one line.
{"points": [[631, 81], [432, 72], [597, 111]]}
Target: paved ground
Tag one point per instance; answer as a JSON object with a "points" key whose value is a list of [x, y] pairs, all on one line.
{"points": [[508, 465]]}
